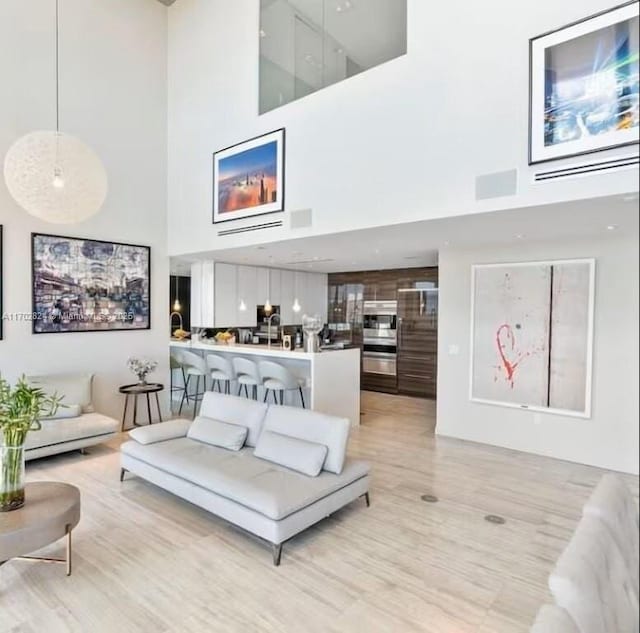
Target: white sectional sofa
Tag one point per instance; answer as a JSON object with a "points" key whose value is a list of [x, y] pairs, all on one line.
{"points": [[76, 425], [271, 470]]}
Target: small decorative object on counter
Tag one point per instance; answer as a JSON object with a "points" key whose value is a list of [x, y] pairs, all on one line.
{"points": [[141, 367], [21, 410], [181, 334], [226, 338], [311, 325]]}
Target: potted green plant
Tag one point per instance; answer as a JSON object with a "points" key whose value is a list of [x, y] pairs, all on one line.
{"points": [[21, 409]]}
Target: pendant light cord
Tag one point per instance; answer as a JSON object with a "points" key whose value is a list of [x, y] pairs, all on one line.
{"points": [[57, 68]]}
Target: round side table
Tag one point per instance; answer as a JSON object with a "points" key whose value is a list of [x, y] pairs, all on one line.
{"points": [[50, 512], [140, 389]]}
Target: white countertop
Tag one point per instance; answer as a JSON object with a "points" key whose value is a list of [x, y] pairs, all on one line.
{"points": [[255, 350]]}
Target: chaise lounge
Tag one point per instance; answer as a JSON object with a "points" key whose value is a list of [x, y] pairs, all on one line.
{"points": [[271, 470]]}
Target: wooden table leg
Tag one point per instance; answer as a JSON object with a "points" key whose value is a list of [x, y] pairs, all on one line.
{"points": [[149, 410], [135, 409], [124, 413], [158, 405]]}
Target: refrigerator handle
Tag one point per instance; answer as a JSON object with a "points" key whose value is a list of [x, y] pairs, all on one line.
{"points": [[399, 333]]}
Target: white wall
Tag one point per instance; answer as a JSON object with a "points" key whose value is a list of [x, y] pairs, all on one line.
{"points": [[610, 438], [400, 142], [113, 96]]}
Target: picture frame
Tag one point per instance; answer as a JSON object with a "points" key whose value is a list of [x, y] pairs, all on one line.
{"points": [[249, 178], [531, 339], [89, 285], [574, 109]]}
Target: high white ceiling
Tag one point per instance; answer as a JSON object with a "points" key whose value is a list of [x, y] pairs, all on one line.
{"points": [[418, 243]]}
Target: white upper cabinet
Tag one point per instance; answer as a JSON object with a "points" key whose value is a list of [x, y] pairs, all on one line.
{"points": [[202, 294], [247, 296], [219, 291], [286, 297], [226, 304]]}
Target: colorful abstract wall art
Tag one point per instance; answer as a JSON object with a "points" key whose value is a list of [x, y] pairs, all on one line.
{"points": [[584, 86], [89, 285], [248, 178], [532, 326]]}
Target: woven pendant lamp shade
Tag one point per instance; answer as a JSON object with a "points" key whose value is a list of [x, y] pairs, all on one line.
{"points": [[55, 177]]}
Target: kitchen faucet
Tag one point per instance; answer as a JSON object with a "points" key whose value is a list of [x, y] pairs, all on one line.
{"points": [[275, 314]]}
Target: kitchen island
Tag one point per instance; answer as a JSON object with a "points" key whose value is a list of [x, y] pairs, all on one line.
{"points": [[331, 377]]}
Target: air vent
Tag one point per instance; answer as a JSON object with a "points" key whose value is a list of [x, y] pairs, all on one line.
{"points": [[302, 262], [587, 168], [253, 227], [497, 185], [301, 219]]}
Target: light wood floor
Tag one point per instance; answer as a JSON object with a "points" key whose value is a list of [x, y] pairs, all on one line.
{"points": [[147, 561]]}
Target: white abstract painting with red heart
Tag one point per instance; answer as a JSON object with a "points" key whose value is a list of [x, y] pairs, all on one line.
{"points": [[532, 335]]}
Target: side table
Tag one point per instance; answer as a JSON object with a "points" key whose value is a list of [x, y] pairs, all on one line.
{"points": [[140, 389], [50, 512]]}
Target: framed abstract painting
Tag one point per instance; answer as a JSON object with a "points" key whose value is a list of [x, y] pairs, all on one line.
{"points": [[82, 285], [531, 335], [584, 86], [248, 178]]}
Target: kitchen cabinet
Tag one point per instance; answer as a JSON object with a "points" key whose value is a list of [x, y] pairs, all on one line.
{"points": [[218, 290], [226, 301], [287, 282], [247, 296], [202, 294]]}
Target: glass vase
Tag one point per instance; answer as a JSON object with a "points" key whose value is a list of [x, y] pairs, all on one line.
{"points": [[11, 477]]}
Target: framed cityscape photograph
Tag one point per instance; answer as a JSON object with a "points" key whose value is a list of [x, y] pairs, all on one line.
{"points": [[584, 86], [532, 335], [82, 285], [248, 178]]}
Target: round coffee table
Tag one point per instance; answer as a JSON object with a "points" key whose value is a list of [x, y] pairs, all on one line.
{"points": [[50, 512], [140, 389]]}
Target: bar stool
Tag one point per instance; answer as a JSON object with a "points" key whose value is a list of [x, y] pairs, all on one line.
{"points": [[220, 371], [276, 378], [248, 375], [196, 366], [175, 364]]}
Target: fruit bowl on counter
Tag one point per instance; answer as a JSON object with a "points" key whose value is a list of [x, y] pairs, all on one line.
{"points": [[225, 338]]}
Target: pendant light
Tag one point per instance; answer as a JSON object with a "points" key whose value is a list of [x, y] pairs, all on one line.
{"points": [[177, 306], [242, 306], [296, 303], [52, 175], [267, 304]]}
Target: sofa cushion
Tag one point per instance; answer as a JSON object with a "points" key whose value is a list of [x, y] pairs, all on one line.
{"points": [[74, 387], [217, 433], [300, 455], [169, 430], [66, 430], [66, 411], [234, 410], [314, 427], [267, 488]]}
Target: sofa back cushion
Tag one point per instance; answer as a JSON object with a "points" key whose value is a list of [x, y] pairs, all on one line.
{"points": [[313, 427], [306, 457], [233, 410], [76, 388], [217, 433], [66, 411]]}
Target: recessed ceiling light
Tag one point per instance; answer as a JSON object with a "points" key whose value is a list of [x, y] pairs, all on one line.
{"points": [[447, 243], [261, 248], [519, 236], [612, 227]]}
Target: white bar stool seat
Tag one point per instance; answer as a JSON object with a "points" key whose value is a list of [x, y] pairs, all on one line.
{"points": [[248, 375], [220, 372], [195, 366], [277, 378]]}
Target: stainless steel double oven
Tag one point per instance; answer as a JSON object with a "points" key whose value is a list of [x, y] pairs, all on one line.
{"points": [[379, 353]]}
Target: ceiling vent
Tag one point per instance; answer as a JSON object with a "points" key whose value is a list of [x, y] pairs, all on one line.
{"points": [[594, 167]]}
